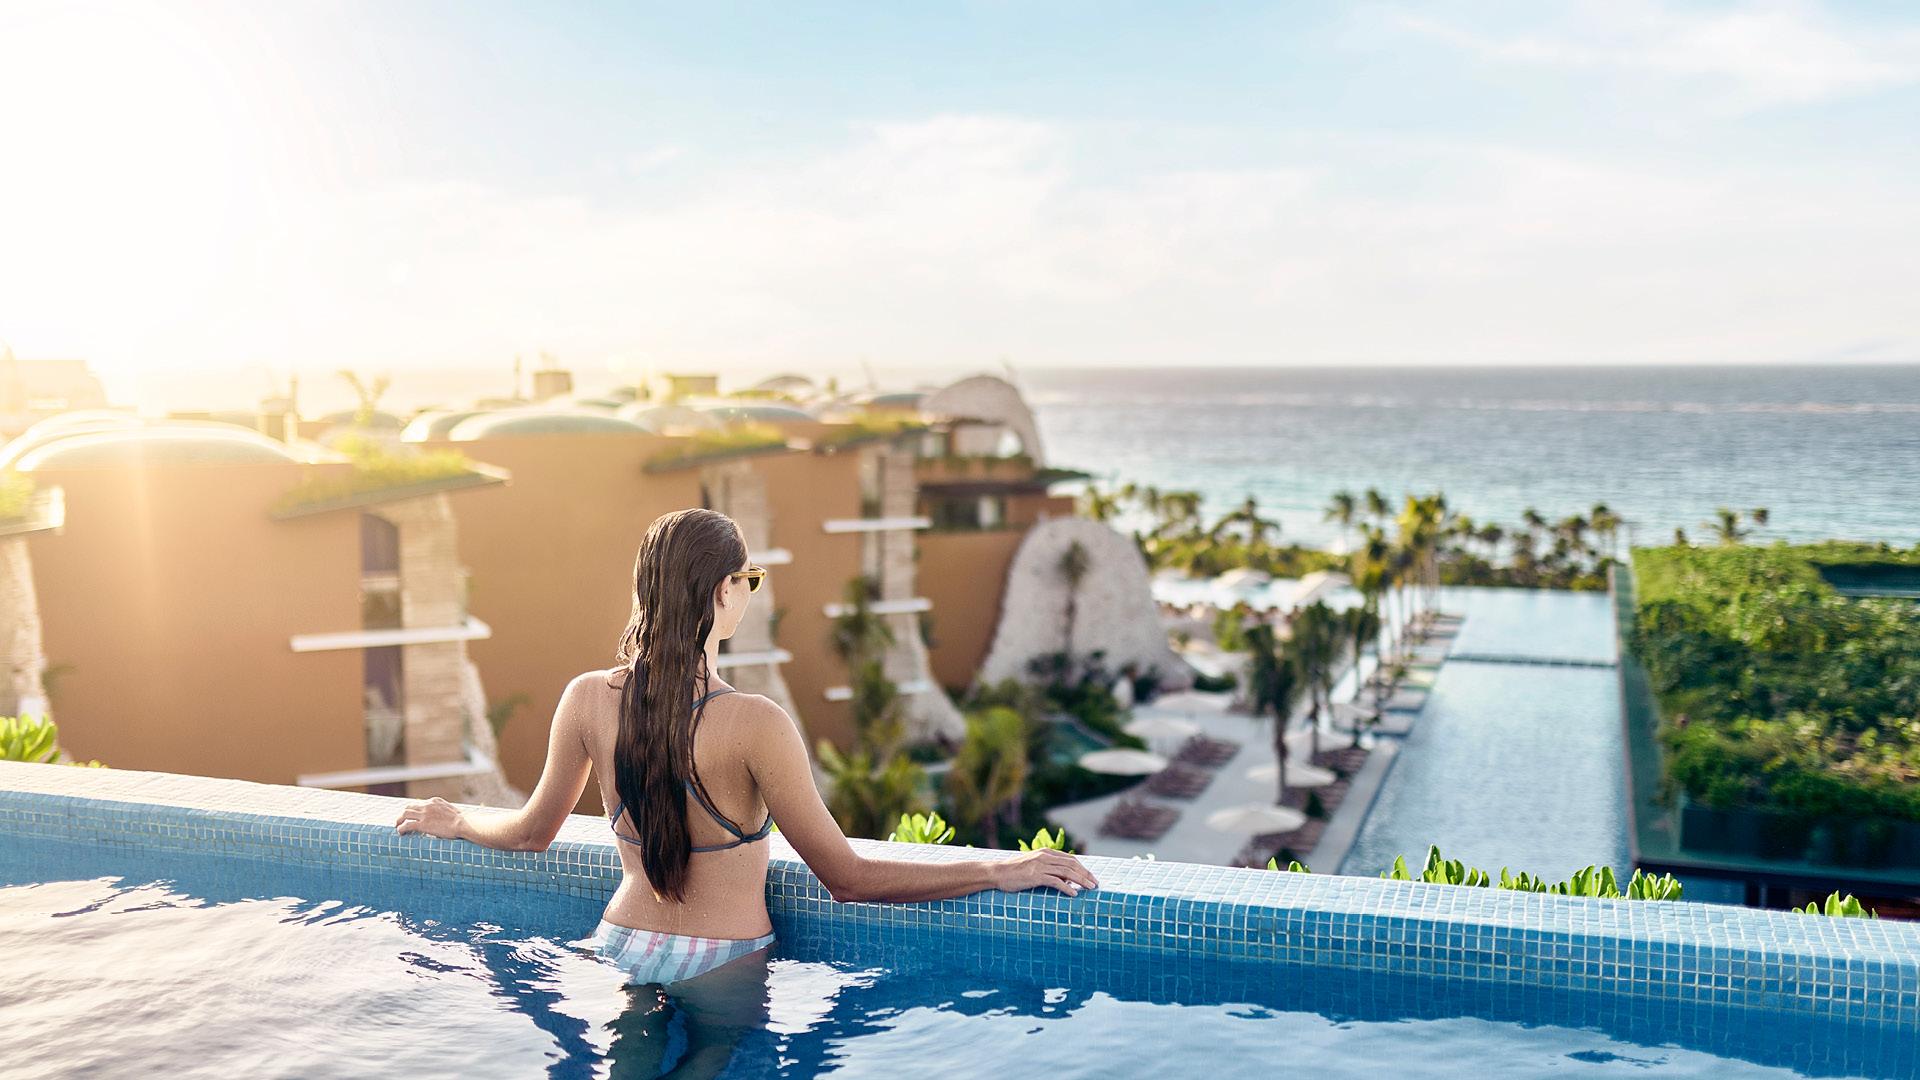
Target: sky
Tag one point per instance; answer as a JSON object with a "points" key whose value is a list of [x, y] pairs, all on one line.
{"points": [[251, 189]]}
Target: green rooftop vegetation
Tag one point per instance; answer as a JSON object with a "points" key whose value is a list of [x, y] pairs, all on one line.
{"points": [[16, 496], [731, 441], [868, 427], [379, 468], [1777, 693]]}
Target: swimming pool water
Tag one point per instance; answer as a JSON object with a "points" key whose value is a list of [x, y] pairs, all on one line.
{"points": [[123, 962]]}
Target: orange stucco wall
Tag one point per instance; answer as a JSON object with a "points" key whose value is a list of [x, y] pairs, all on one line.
{"points": [[171, 598], [551, 560], [803, 491], [965, 575]]}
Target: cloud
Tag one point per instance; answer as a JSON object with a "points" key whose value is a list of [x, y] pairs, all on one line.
{"points": [[1760, 54], [955, 239]]}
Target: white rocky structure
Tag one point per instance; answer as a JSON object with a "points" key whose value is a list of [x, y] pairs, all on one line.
{"points": [[1113, 608], [994, 400], [22, 692]]}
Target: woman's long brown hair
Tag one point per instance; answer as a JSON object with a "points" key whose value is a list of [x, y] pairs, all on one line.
{"points": [[685, 556]]}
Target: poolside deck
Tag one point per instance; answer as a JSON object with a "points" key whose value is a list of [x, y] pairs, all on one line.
{"points": [[1192, 840]]}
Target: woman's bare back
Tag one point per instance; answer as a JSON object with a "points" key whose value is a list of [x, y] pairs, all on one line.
{"points": [[726, 890]]}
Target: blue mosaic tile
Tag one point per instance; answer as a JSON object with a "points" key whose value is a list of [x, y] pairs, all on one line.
{"points": [[1653, 952]]}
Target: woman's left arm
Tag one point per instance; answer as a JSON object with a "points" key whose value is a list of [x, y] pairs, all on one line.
{"points": [[533, 826]]}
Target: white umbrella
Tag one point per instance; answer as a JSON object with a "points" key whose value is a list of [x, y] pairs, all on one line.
{"points": [[1299, 774], [1161, 727], [1318, 584], [1123, 762], [1242, 578], [1350, 713], [1256, 819], [1299, 743]]}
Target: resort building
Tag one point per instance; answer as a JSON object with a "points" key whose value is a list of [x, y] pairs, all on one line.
{"points": [[363, 610], [222, 603]]}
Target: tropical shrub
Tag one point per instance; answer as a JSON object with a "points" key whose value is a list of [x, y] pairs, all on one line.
{"points": [[922, 829], [1045, 841], [1776, 692], [1215, 683], [1835, 904], [34, 739], [1598, 883]]}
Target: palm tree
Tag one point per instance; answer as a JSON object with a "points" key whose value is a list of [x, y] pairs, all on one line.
{"points": [[1316, 642], [1377, 507], [1726, 527], [1100, 505], [1759, 516], [368, 391], [866, 798], [1074, 564], [1343, 508], [1273, 688], [1363, 626], [1607, 524], [990, 771]]}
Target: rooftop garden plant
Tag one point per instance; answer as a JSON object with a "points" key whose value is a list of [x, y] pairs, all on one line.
{"points": [[742, 438], [866, 427], [378, 466], [16, 496], [1776, 692]]}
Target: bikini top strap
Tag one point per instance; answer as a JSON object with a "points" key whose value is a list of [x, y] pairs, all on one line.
{"points": [[618, 805], [712, 811]]}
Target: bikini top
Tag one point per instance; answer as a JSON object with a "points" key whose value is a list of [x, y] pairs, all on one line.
{"points": [[613, 819]]}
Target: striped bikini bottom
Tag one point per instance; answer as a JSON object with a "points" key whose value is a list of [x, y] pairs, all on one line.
{"points": [[649, 956]]}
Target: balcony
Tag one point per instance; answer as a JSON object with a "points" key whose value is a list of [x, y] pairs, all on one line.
{"points": [[912, 686], [874, 524], [910, 606], [470, 630]]}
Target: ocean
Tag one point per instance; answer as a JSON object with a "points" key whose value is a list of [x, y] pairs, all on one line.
{"points": [[1831, 451]]}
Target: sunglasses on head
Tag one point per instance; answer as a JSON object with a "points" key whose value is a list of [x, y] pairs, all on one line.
{"points": [[754, 575]]}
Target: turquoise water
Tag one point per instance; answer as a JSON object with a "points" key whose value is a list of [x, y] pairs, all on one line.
{"points": [[123, 963], [1511, 765], [1829, 450]]}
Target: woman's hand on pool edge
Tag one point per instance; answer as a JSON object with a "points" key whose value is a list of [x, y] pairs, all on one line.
{"points": [[1054, 869], [435, 817]]}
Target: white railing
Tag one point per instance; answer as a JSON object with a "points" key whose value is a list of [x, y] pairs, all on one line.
{"points": [[880, 524], [883, 607], [388, 774], [912, 686], [749, 659], [470, 630]]}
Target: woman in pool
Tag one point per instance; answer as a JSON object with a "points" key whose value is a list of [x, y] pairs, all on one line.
{"points": [[696, 774]]}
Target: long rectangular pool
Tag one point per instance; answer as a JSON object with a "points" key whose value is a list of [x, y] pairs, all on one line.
{"points": [[153, 924]]}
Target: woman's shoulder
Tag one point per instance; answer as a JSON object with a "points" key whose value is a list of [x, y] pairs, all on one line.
{"points": [[596, 687]]}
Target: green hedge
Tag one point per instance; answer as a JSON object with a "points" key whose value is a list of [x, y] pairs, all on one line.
{"points": [[1777, 692]]}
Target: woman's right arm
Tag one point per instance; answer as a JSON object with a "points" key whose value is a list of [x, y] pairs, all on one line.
{"points": [[777, 757]]}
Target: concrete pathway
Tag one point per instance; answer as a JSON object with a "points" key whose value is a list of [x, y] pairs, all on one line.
{"points": [[1191, 840]]}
